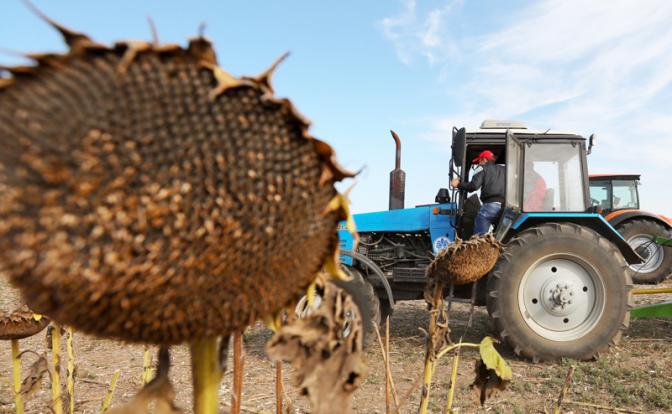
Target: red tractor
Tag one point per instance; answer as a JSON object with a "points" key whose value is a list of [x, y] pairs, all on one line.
{"points": [[615, 196]]}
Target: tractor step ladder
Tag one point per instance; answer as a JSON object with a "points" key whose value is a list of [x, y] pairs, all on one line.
{"points": [[450, 299]]}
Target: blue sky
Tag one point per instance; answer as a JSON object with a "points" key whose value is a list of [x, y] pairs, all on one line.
{"points": [[360, 68]]}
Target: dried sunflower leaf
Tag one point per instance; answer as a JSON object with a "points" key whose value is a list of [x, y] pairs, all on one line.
{"points": [[273, 322], [487, 382], [340, 204], [159, 393], [310, 293], [33, 380], [332, 266], [326, 356], [493, 360]]}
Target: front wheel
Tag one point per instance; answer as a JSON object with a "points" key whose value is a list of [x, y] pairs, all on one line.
{"points": [[559, 290]]}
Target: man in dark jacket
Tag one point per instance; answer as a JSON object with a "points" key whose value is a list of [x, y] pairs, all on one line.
{"points": [[491, 180]]}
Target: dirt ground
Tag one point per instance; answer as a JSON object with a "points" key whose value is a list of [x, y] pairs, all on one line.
{"points": [[635, 376]]}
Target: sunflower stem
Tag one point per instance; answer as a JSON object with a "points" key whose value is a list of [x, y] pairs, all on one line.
{"points": [[430, 355], [105, 405], [237, 373], [278, 388], [16, 371], [57, 404], [453, 381], [70, 370], [206, 375], [146, 366]]}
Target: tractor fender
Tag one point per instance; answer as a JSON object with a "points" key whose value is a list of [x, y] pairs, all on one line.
{"points": [[365, 261], [621, 216], [592, 221]]}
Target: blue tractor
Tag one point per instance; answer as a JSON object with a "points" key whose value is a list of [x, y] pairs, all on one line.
{"points": [[559, 289]]}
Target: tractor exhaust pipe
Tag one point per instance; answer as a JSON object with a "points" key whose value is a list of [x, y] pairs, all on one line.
{"points": [[397, 178]]}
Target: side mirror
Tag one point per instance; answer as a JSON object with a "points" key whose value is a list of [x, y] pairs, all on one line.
{"points": [[459, 145], [443, 196], [591, 143]]}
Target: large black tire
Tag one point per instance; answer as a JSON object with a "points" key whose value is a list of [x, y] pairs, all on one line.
{"points": [[365, 298], [559, 290], [658, 259]]}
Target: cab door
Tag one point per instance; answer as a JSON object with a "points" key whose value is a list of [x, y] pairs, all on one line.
{"points": [[514, 185]]}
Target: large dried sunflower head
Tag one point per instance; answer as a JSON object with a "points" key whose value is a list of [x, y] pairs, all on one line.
{"points": [[465, 261], [147, 195]]}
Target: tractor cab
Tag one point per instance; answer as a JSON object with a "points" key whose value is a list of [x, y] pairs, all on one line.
{"points": [[545, 171], [612, 192]]}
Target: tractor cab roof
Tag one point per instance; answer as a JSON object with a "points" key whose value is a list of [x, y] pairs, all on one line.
{"points": [[492, 136], [498, 128], [607, 177], [547, 133]]}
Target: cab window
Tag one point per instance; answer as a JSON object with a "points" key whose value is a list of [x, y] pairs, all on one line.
{"points": [[553, 178], [599, 194], [624, 194]]}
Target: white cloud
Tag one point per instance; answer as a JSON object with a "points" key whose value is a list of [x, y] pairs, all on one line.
{"points": [[560, 30], [426, 36], [589, 66]]}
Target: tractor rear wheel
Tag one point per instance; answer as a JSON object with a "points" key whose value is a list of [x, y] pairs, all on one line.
{"points": [[657, 259], [559, 290]]}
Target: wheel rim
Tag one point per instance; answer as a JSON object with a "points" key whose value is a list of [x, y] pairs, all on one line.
{"points": [[302, 310], [651, 252], [561, 297]]}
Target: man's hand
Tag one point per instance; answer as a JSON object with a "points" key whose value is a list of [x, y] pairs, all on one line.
{"points": [[455, 182]]}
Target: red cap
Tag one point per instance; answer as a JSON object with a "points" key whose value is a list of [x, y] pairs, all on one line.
{"points": [[485, 154]]}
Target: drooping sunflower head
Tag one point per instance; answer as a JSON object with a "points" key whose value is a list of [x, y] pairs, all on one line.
{"points": [[148, 195]]}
